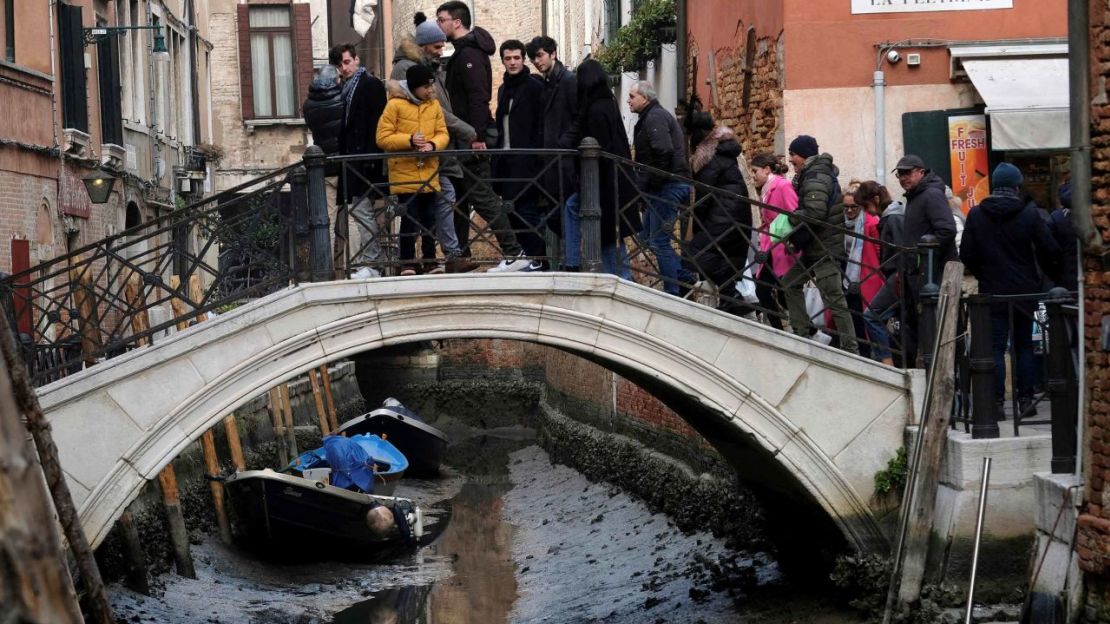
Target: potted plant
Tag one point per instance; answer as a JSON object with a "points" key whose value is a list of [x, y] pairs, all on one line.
{"points": [[653, 23]]}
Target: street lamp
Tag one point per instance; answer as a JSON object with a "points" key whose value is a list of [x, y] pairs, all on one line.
{"points": [[99, 185], [158, 51]]}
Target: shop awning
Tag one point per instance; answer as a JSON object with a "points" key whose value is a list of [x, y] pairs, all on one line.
{"points": [[1026, 96]]}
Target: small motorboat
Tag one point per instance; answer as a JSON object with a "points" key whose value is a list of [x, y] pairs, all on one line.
{"points": [[284, 515], [389, 464], [421, 443]]}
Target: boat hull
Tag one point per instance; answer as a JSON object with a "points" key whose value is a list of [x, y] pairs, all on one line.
{"points": [[421, 443]]}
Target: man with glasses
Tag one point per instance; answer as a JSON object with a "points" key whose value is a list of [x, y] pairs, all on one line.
{"points": [[927, 214], [470, 88]]}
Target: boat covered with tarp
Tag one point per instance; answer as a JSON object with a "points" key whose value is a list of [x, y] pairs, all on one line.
{"points": [[421, 443]]}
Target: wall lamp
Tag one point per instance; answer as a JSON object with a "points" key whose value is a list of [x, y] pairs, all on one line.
{"points": [[158, 51], [99, 186]]}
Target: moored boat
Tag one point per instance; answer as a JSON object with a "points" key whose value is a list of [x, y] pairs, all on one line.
{"points": [[389, 464], [421, 443]]}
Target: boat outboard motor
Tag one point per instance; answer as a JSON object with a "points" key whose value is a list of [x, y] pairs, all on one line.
{"points": [[351, 466]]}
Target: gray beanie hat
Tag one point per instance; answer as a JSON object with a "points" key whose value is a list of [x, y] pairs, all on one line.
{"points": [[428, 32]]}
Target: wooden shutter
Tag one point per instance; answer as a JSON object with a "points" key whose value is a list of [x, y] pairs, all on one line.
{"points": [[21, 301], [302, 50], [75, 113], [111, 112], [246, 80]]}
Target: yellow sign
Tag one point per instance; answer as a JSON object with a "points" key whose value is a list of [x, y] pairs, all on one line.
{"points": [[967, 148]]}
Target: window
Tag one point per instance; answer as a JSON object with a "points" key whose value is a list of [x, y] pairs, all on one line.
{"points": [[612, 19], [274, 89], [108, 79], [9, 30], [72, 51]]}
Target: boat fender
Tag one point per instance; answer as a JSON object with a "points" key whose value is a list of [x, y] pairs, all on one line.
{"points": [[401, 508]]}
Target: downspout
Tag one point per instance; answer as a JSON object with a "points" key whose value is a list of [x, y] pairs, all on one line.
{"points": [[1080, 97], [682, 53], [878, 86], [55, 120]]}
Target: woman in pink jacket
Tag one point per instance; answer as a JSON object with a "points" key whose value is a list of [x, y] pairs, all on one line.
{"points": [[774, 259]]}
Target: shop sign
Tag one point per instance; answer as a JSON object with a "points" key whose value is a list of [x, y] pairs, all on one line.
{"points": [[918, 6], [967, 149]]}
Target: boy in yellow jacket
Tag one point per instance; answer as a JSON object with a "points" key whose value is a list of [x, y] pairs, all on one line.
{"points": [[413, 122]]}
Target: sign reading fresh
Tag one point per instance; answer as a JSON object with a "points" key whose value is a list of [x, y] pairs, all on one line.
{"points": [[915, 6], [967, 148]]}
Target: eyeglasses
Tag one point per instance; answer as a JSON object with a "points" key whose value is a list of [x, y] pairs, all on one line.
{"points": [[905, 173]]}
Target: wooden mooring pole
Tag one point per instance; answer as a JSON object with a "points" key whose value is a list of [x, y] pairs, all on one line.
{"points": [[231, 427], [274, 396], [133, 550], [179, 535], [212, 467], [329, 399], [290, 429], [317, 395]]}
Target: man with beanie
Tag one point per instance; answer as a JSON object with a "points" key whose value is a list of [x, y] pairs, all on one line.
{"points": [[1004, 241], [818, 237], [425, 47], [469, 87], [1060, 225], [364, 100]]}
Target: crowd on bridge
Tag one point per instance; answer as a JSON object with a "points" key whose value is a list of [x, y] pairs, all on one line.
{"points": [[798, 245]]}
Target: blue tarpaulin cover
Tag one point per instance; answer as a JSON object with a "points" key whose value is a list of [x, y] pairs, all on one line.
{"points": [[352, 459]]}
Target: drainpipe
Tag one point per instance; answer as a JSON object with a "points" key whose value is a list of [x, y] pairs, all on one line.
{"points": [[681, 52], [878, 83], [1080, 97]]}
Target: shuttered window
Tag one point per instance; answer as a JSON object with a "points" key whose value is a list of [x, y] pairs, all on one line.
{"points": [[108, 79], [71, 40], [275, 59]]}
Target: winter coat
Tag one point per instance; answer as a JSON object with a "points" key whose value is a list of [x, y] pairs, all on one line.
{"points": [[403, 117], [359, 135], [462, 134], [1063, 231], [891, 224], [323, 114], [1004, 241], [871, 278], [560, 111], [780, 193], [661, 144], [520, 102], [823, 233], [927, 212], [470, 79], [722, 223], [602, 121]]}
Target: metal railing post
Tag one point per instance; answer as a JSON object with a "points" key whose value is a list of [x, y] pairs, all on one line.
{"points": [[302, 242], [589, 211], [927, 324], [981, 362], [318, 223], [1061, 383]]}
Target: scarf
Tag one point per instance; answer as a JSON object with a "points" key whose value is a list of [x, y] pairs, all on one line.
{"points": [[853, 246], [349, 93], [1006, 191]]}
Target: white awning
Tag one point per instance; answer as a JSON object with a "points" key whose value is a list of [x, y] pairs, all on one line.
{"points": [[1026, 97]]}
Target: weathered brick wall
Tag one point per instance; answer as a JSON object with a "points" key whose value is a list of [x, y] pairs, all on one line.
{"points": [[759, 122], [22, 212], [1093, 535]]}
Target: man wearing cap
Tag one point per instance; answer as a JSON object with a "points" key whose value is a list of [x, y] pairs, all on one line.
{"points": [[927, 214], [819, 237], [425, 47], [1005, 239]]}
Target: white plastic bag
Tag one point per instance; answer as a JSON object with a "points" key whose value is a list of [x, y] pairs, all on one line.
{"points": [[745, 286], [815, 307]]}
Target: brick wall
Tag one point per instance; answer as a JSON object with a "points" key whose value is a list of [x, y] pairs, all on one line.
{"points": [[1093, 533], [759, 122]]}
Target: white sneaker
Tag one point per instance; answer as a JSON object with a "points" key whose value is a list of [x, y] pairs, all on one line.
{"points": [[365, 273], [822, 337], [508, 265]]}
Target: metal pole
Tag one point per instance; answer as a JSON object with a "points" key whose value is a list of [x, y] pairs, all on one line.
{"points": [[1061, 384], [878, 86], [1079, 58], [302, 242], [320, 239], [927, 324], [981, 362], [589, 211], [984, 482]]}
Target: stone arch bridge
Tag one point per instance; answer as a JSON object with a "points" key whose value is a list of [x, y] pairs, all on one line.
{"points": [[812, 422]]}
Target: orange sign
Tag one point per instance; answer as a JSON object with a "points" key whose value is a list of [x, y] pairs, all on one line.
{"points": [[967, 148]]}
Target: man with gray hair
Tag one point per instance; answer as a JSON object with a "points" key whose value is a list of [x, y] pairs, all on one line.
{"points": [[659, 143]]}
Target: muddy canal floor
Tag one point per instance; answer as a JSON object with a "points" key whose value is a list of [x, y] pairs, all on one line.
{"points": [[522, 540]]}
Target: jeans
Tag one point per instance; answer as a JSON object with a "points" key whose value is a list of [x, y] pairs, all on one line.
{"points": [[826, 276], [659, 218], [1020, 331], [445, 212], [614, 257], [883, 308], [418, 216], [369, 238], [528, 219], [474, 189]]}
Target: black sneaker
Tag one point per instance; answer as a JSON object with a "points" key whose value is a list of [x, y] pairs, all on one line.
{"points": [[532, 267]]}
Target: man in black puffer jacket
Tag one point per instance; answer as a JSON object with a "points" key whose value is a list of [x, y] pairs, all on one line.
{"points": [[323, 110], [723, 222], [1004, 241], [819, 237]]}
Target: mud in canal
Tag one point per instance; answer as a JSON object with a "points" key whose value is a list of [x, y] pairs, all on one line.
{"points": [[519, 539]]}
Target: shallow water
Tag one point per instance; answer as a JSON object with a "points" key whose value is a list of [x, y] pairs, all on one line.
{"points": [[522, 540]]}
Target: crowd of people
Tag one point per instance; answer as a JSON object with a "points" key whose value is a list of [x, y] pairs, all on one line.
{"points": [[807, 241]]}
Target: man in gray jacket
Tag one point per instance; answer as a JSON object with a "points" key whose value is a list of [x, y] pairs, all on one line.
{"points": [[425, 47]]}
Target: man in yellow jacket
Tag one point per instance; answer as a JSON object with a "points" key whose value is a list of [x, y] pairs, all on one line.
{"points": [[413, 122]]}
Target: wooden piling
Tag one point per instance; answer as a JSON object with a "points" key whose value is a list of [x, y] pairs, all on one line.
{"points": [[329, 399], [287, 413], [231, 427], [318, 396], [136, 301], [177, 304], [212, 467], [133, 551], [278, 421], [197, 294], [88, 317], [179, 535]]}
